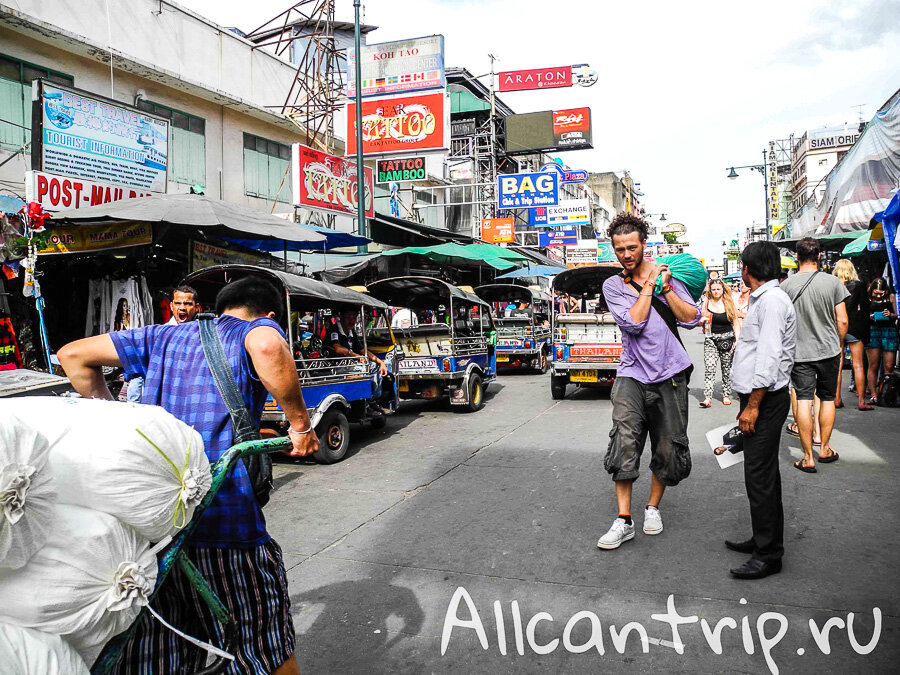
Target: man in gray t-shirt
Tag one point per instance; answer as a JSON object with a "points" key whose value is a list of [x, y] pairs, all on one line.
{"points": [[821, 326]]}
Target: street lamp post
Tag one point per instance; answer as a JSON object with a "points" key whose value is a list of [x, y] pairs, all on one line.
{"points": [[360, 167], [732, 174]]}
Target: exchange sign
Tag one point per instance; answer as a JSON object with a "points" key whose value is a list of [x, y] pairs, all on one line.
{"points": [[569, 212], [526, 190], [401, 124], [401, 170], [328, 183], [82, 135], [404, 65]]}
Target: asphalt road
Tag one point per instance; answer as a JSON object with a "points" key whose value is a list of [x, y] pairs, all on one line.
{"points": [[508, 504]]}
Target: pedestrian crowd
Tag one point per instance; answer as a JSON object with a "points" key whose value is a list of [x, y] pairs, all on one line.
{"points": [[779, 342]]}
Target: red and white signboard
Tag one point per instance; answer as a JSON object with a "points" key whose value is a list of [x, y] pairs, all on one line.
{"points": [[328, 183], [57, 193], [537, 78], [401, 124]]}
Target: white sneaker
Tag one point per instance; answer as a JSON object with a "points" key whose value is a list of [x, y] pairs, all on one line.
{"points": [[652, 521], [619, 532]]}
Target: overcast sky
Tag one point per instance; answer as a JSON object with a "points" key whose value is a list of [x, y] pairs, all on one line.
{"points": [[686, 88]]}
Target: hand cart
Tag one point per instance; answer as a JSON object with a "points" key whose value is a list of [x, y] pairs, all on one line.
{"points": [[173, 555]]}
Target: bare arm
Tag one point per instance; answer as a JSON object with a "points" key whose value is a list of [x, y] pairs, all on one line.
{"points": [[275, 367], [83, 360], [840, 312], [641, 309], [747, 417]]}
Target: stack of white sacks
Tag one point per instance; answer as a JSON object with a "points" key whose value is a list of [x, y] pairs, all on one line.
{"points": [[86, 490]]}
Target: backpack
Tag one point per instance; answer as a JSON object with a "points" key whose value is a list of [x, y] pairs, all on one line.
{"points": [[889, 392]]}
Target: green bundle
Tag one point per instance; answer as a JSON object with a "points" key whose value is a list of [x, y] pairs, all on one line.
{"points": [[687, 269]]}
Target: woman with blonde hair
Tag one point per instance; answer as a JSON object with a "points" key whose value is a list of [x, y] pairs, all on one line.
{"points": [[857, 330], [718, 317]]}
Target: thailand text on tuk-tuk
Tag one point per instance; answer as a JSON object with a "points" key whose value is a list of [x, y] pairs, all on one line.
{"points": [[522, 316], [587, 343], [445, 340], [337, 388]]}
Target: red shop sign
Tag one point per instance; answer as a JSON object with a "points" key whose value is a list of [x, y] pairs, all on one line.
{"points": [[400, 124], [328, 183]]}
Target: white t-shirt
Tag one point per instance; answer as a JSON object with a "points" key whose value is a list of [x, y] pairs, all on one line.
{"points": [[404, 318]]}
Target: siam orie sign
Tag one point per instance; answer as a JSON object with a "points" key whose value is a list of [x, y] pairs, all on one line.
{"points": [[56, 193], [537, 78], [328, 183], [400, 66], [402, 124], [82, 135]]}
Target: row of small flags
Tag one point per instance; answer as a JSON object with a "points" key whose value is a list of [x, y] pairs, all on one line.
{"points": [[403, 79]]}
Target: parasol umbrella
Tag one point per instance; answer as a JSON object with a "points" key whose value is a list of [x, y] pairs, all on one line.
{"points": [[186, 210]]}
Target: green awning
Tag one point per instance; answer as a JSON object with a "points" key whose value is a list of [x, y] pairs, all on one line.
{"points": [[490, 250], [465, 101], [452, 252]]}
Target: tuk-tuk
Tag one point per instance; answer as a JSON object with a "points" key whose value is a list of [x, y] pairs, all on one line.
{"points": [[522, 316], [445, 343], [337, 390], [587, 343]]}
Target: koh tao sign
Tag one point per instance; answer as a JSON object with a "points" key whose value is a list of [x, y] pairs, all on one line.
{"points": [[328, 183], [401, 124], [403, 65], [401, 170], [526, 190]]}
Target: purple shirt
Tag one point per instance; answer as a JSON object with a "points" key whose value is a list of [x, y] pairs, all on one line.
{"points": [[650, 352]]}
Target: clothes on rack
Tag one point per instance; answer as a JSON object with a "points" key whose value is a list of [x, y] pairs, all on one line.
{"points": [[117, 304]]}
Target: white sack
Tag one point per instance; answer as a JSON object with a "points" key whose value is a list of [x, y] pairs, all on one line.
{"points": [[24, 651], [87, 584], [27, 493], [102, 461]]}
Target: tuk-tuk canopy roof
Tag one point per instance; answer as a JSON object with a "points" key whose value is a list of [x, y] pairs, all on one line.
{"points": [[584, 280], [219, 275], [501, 292], [420, 292]]}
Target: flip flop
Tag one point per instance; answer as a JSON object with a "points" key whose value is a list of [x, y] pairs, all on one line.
{"points": [[704, 404], [805, 469], [793, 429], [833, 457], [865, 406], [839, 406]]}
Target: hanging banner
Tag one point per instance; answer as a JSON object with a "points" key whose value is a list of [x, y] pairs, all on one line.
{"points": [[526, 190], [55, 193], [82, 135], [403, 65], [207, 255], [536, 78], [498, 230], [772, 169], [328, 183], [567, 236], [93, 238], [402, 124], [570, 212]]}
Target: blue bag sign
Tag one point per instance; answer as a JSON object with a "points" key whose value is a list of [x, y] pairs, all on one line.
{"points": [[564, 237], [527, 190]]}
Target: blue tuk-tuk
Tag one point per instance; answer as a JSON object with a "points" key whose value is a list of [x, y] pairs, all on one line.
{"points": [[445, 341], [337, 390], [587, 343], [522, 316]]}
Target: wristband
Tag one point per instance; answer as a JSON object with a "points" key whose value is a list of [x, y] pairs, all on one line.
{"points": [[666, 288], [647, 295], [291, 430]]}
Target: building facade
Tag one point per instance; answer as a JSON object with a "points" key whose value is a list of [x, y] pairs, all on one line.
{"points": [[815, 154]]}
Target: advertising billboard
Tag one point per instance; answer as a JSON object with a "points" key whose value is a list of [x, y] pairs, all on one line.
{"points": [[403, 65], [526, 190], [401, 124], [536, 78], [583, 255], [537, 217], [548, 131], [401, 170], [55, 193], [569, 212], [567, 236], [328, 183], [92, 238], [82, 135], [498, 230]]}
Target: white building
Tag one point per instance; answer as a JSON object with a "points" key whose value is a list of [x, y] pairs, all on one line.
{"points": [[814, 156], [221, 96]]}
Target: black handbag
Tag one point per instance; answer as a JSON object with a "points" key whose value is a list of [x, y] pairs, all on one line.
{"points": [[723, 344], [259, 466], [889, 392]]}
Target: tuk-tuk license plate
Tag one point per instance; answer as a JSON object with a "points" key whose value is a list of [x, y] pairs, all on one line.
{"points": [[583, 376], [502, 358]]}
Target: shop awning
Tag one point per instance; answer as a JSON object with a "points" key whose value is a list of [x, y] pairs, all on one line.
{"points": [[333, 239], [213, 215], [829, 241], [451, 252], [392, 231]]}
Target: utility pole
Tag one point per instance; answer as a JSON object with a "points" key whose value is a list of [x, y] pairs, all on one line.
{"points": [[360, 168], [765, 174], [493, 138]]}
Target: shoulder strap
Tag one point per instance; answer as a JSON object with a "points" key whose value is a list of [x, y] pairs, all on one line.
{"points": [[665, 312], [804, 287], [225, 381]]}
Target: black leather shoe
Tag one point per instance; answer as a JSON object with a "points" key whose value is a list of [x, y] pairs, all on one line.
{"points": [[741, 546], [756, 569]]}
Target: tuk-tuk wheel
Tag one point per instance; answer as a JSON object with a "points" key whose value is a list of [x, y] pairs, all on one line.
{"points": [[476, 393], [558, 387], [334, 437]]}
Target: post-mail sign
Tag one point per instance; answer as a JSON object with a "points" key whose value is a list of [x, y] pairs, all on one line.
{"points": [[527, 190]]}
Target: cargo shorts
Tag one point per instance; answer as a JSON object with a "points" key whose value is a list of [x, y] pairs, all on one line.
{"points": [[659, 411]]}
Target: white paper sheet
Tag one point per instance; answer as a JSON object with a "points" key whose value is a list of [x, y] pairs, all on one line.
{"points": [[714, 438]]}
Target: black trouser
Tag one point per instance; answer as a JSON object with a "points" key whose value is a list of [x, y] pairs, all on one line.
{"points": [[762, 476]]}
